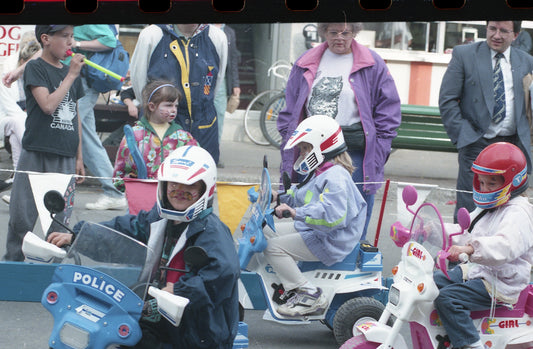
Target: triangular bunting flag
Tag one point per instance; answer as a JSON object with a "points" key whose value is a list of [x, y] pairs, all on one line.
{"points": [[43, 182], [232, 203]]}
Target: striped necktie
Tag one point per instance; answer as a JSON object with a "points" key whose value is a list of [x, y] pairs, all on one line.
{"points": [[499, 91]]}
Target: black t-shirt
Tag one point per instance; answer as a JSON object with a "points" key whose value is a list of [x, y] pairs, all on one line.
{"points": [[56, 133]]}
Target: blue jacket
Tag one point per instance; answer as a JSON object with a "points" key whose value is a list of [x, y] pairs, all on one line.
{"points": [[330, 213], [194, 66], [211, 318]]}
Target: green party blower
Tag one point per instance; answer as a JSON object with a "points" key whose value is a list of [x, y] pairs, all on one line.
{"points": [[99, 67]]}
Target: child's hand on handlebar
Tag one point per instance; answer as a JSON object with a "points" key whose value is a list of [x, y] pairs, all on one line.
{"points": [[285, 211], [169, 287], [274, 196], [59, 239], [456, 250]]}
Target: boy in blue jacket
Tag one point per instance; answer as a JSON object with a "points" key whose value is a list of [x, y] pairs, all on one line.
{"points": [[329, 213], [182, 217]]}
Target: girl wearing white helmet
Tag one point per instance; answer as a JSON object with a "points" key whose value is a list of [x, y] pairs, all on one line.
{"points": [[182, 217], [328, 211], [500, 245]]}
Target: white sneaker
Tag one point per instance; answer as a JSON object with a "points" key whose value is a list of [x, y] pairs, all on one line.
{"points": [[108, 203], [6, 199], [304, 303]]}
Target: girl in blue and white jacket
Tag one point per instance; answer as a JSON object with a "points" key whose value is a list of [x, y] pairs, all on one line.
{"points": [[328, 211]]}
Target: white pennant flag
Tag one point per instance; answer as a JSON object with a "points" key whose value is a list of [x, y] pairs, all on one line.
{"points": [[423, 191], [43, 182]]}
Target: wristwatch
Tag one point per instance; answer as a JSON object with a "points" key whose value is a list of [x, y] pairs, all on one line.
{"points": [[78, 44]]}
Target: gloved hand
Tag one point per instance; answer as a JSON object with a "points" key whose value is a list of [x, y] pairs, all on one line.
{"points": [[150, 312]]}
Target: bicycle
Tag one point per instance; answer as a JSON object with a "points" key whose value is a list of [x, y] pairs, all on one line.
{"points": [[269, 118], [254, 110]]}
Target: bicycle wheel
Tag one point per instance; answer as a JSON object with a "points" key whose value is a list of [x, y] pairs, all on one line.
{"points": [[269, 119], [252, 117]]}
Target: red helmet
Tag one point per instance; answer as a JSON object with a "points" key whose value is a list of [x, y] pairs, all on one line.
{"points": [[503, 159]]}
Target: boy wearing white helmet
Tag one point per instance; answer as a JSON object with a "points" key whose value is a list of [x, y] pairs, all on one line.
{"points": [[500, 245], [183, 217], [328, 211]]}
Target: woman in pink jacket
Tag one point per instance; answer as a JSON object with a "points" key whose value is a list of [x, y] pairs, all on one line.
{"points": [[352, 84]]}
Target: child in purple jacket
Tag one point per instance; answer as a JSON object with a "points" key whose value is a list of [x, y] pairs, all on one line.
{"points": [[328, 212]]}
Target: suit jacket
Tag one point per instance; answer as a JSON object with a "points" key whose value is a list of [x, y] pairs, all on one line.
{"points": [[466, 97]]}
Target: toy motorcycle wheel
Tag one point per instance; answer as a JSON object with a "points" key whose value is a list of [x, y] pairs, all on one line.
{"points": [[359, 342], [353, 313]]}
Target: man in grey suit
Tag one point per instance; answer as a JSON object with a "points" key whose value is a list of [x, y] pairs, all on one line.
{"points": [[467, 100]]}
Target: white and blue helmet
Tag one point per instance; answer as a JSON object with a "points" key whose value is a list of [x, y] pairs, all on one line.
{"points": [[186, 165], [324, 134]]}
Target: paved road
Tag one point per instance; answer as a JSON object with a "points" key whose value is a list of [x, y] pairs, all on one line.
{"points": [[27, 325]]}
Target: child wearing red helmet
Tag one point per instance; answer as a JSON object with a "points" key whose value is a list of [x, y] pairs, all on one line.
{"points": [[499, 246]]}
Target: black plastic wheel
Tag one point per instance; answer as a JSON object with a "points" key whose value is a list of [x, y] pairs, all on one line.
{"points": [[353, 311]]}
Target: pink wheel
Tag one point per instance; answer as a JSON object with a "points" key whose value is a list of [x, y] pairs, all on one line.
{"points": [[359, 342]]}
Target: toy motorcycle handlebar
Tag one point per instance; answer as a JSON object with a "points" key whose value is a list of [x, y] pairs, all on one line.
{"points": [[169, 305], [284, 213], [399, 234], [37, 250], [286, 185], [423, 231], [463, 257]]}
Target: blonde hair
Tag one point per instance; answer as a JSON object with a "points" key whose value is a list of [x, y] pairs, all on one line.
{"points": [[345, 161], [28, 47]]}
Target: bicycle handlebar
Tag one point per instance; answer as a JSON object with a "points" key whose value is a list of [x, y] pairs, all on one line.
{"points": [[274, 71]]}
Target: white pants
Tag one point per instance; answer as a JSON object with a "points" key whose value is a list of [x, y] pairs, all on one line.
{"points": [[14, 127], [12, 119], [283, 251]]}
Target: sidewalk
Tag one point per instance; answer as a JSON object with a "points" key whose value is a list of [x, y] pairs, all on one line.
{"points": [[243, 160]]}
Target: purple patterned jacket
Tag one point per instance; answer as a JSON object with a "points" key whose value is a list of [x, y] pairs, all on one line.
{"points": [[375, 95]]}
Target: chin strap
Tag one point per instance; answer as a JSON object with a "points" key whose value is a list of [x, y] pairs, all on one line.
{"points": [[307, 179], [476, 219]]}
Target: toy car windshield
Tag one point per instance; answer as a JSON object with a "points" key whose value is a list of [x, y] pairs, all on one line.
{"points": [[113, 253]]}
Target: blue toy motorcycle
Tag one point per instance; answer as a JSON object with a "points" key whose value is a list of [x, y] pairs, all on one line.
{"points": [[97, 292], [351, 286]]}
